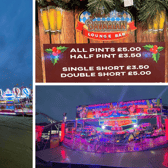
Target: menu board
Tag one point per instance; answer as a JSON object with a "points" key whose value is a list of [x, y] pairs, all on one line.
{"points": [[117, 62]]}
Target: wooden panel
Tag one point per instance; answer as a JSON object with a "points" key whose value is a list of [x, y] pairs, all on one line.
{"points": [[44, 39], [155, 36], [79, 37], [130, 38], [166, 30], [139, 32], [39, 75], [108, 42], [150, 36], [144, 33], [55, 38], [95, 41], [161, 36], [125, 40], [118, 41], [67, 35]]}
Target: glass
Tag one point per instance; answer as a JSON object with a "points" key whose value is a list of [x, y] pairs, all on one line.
{"points": [[59, 19], [150, 26], [156, 21], [45, 20], [162, 20], [52, 14]]}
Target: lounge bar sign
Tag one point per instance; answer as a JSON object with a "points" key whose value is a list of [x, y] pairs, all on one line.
{"points": [[113, 26]]}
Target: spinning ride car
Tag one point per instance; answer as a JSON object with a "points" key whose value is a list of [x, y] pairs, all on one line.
{"points": [[117, 123], [87, 131]]}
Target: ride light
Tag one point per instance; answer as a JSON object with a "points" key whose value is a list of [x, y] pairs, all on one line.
{"points": [[103, 126], [135, 125]]}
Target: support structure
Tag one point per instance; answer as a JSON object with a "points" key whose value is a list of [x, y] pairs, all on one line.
{"points": [[158, 121], [62, 132], [166, 124]]}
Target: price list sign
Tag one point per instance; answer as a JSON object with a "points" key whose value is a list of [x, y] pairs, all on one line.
{"points": [[115, 62]]}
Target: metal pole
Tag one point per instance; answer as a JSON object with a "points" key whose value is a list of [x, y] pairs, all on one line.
{"points": [[80, 144], [76, 123], [158, 120], [50, 134]]}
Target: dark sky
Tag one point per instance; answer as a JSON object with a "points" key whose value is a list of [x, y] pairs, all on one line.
{"points": [[15, 43], [55, 100]]}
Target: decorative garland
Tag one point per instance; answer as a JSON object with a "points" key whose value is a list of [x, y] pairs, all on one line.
{"points": [[55, 51], [93, 6], [103, 7], [147, 9], [154, 49], [100, 7], [150, 9], [65, 4]]}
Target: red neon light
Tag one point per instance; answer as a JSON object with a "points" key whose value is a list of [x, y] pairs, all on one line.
{"points": [[62, 132], [138, 110], [105, 109], [120, 122], [166, 123], [165, 162], [121, 132], [63, 154], [39, 130]]}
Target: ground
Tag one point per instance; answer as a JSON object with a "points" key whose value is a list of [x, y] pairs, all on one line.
{"points": [[15, 142]]}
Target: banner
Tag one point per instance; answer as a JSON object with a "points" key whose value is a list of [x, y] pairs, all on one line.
{"points": [[105, 36]]}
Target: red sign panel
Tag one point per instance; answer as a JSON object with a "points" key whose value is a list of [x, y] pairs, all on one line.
{"points": [[116, 62], [105, 36]]}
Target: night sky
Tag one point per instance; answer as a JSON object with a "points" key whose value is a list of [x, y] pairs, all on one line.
{"points": [[15, 43], [55, 100]]}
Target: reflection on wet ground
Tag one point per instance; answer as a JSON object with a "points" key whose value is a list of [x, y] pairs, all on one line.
{"points": [[152, 158]]}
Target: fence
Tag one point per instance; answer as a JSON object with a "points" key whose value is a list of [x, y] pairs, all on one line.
{"points": [[109, 145]]}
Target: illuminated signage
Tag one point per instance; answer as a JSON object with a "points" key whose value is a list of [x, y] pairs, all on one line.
{"points": [[119, 121], [112, 26], [2, 101], [119, 109]]}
